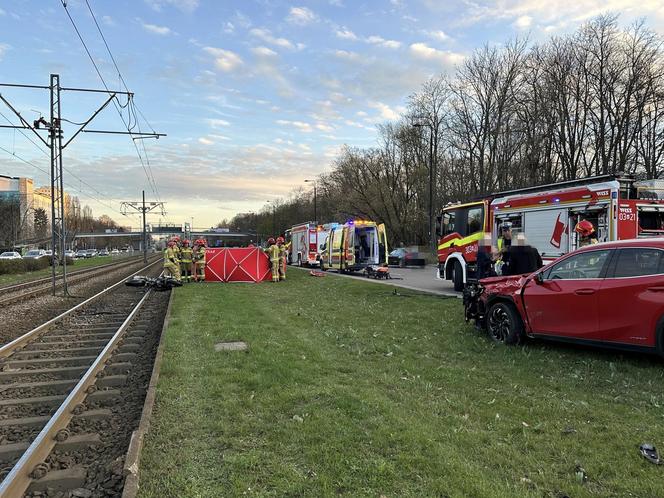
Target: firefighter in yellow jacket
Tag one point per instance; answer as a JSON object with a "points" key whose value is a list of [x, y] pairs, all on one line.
{"points": [[198, 258], [171, 263], [283, 255], [274, 253], [186, 261]]}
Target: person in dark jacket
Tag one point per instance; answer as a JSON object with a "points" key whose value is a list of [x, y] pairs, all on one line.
{"points": [[522, 258], [484, 258]]}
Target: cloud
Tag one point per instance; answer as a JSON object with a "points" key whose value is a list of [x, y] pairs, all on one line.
{"points": [[347, 55], [386, 113], [424, 52], [216, 123], [156, 30], [382, 42], [3, 49], [300, 125], [555, 12], [266, 36], [205, 141], [301, 16], [224, 60], [345, 34], [523, 22], [263, 52], [229, 28], [183, 5], [438, 35], [108, 20]]}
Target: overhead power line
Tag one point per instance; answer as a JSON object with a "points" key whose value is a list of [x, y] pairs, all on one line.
{"points": [[146, 167]]}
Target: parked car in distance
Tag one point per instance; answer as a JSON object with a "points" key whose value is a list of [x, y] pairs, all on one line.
{"points": [[81, 253], [115, 251], [405, 256], [90, 253], [70, 254], [104, 252], [10, 255], [609, 294], [35, 254]]}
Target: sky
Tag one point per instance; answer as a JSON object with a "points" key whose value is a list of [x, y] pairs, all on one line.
{"points": [[254, 96]]}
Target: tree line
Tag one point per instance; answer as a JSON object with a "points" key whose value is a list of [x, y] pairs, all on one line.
{"points": [[515, 115]]}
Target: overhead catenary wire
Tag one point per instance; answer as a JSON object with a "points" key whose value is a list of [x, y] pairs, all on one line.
{"points": [[72, 187], [149, 176]]}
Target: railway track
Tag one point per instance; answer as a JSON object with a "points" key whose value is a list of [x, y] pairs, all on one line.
{"points": [[62, 389], [18, 292]]}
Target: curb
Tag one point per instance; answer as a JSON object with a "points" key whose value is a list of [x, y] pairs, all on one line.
{"points": [[133, 455], [385, 282]]}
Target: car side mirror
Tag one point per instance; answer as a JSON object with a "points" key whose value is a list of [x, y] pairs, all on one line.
{"points": [[539, 278]]}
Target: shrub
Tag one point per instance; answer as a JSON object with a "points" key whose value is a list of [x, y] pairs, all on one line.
{"points": [[14, 266]]}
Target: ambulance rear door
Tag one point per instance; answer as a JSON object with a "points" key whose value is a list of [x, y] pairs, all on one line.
{"points": [[334, 246], [382, 244], [349, 246]]}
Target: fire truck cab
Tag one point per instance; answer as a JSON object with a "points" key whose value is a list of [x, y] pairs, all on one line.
{"points": [[355, 245], [618, 207]]}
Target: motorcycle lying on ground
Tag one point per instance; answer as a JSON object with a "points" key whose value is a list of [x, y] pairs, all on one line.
{"points": [[158, 283]]}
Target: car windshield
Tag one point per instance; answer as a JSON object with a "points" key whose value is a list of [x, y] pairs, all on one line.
{"points": [[7, 254], [32, 253], [398, 252]]}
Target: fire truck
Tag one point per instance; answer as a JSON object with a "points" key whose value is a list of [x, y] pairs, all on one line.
{"points": [[618, 207], [306, 241], [354, 246]]}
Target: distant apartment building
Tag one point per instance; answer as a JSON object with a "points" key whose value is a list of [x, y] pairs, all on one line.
{"points": [[18, 202]]}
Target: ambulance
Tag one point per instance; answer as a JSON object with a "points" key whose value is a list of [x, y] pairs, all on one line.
{"points": [[306, 241], [354, 246], [618, 207]]}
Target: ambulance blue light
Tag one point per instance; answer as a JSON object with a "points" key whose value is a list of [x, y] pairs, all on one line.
{"points": [[556, 199]]}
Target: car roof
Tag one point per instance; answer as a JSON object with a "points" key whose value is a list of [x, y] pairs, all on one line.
{"points": [[655, 242]]}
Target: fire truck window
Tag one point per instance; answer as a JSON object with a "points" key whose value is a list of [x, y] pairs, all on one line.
{"points": [[475, 218], [449, 222], [581, 266], [638, 262], [651, 220]]}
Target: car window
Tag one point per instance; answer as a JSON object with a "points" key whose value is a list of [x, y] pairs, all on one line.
{"points": [[449, 222], [580, 266], [638, 262], [475, 219]]}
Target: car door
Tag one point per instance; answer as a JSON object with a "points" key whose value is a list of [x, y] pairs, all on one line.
{"points": [[564, 303], [631, 298]]}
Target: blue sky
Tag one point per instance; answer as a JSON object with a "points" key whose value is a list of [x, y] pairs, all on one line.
{"points": [[255, 96]]}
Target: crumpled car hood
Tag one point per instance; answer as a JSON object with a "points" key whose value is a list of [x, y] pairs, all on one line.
{"points": [[503, 285]]}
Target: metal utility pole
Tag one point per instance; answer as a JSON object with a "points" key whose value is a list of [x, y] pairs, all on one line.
{"points": [[55, 145], [315, 200], [432, 170], [142, 207]]}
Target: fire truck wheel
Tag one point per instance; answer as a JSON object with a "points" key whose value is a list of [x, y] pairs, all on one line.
{"points": [[457, 276], [504, 323]]}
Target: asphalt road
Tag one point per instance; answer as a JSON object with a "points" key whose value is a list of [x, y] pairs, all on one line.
{"points": [[420, 279]]}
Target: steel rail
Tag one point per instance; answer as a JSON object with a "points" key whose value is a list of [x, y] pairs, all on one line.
{"points": [[10, 347], [29, 466]]}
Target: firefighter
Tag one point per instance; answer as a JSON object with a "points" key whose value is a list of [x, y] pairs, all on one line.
{"points": [[171, 263], [505, 237], [186, 261], [198, 258], [274, 253], [283, 257], [586, 230]]}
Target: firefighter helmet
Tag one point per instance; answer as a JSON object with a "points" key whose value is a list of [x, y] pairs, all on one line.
{"points": [[584, 228], [171, 243], [280, 240], [186, 242], [270, 240]]}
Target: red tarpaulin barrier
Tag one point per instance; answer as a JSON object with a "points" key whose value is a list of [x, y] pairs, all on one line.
{"points": [[237, 264]]}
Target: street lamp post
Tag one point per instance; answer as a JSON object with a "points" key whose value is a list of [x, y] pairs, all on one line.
{"points": [[432, 227], [315, 200], [274, 217]]}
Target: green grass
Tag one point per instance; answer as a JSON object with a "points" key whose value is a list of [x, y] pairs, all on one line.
{"points": [[397, 397], [9, 279]]}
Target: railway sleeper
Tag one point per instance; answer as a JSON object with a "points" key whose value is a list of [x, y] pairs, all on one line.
{"points": [[65, 384], [96, 414], [57, 399], [72, 443]]}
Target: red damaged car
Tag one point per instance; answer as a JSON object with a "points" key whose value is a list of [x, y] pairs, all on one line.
{"points": [[609, 294]]}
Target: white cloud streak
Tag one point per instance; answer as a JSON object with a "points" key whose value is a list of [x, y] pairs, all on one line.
{"points": [[301, 16], [224, 60]]}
